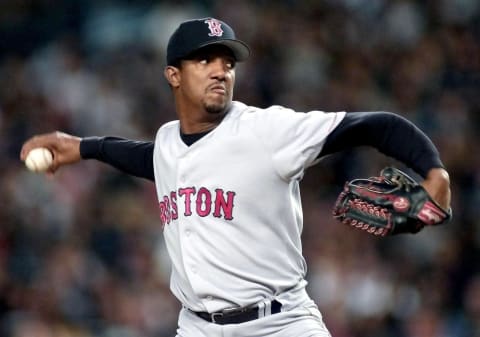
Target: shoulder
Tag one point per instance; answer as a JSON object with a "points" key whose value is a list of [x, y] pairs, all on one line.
{"points": [[279, 117], [282, 114], [240, 109], [279, 110], [238, 106], [172, 125], [169, 125], [168, 128]]}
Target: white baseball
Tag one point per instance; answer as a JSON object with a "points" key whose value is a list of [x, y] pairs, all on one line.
{"points": [[39, 159]]}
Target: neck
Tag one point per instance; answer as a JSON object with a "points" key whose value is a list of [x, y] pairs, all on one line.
{"points": [[189, 127], [198, 120]]}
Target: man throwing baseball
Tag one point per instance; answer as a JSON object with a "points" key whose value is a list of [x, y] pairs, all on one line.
{"points": [[227, 180]]}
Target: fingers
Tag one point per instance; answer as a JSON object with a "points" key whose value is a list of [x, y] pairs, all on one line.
{"points": [[43, 140], [64, 147], [51, 171]]}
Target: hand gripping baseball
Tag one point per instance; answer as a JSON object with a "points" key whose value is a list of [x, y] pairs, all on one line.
{"points": [[65, 148], [389, 204]]}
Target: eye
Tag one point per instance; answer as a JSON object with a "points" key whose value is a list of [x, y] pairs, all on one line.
{"points": [[203, 61], [230, 64]]}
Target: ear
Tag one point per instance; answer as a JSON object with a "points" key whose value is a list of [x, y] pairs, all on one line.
{"points": [[172, 74]]}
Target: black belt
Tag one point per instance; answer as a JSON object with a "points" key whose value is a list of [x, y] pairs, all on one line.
{"points": [[240, 315]]}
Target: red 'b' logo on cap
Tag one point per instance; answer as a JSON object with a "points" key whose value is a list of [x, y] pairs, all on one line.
{"points": [[215, 27]]}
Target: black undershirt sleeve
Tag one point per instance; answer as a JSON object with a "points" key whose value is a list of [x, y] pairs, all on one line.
{"points": [[129, 156], [390, 134]]}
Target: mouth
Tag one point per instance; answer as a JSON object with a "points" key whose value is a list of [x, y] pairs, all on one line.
{"points": [[218, 88]]}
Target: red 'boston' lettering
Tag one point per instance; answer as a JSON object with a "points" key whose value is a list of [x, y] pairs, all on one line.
{"points": [[168, 215], [187, 192], [204, 198], [173, 203], [223, 205], [161, 205]]}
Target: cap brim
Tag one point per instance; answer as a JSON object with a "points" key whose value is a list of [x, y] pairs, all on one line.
{"points": [[240, 49]]}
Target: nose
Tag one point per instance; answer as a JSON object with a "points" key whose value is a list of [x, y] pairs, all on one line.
{"points": [[220, 69]]}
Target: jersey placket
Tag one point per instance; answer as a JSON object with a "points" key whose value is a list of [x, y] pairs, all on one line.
{"points": [[186, 233]]}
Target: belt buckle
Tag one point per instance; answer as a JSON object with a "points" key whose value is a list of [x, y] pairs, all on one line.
{"points": [[214, 316]]}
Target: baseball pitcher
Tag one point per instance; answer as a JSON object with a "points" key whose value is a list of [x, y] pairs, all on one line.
{"points": [[227, 179]]}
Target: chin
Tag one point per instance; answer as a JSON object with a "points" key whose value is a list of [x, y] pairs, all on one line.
{"points": [[216, 108]]}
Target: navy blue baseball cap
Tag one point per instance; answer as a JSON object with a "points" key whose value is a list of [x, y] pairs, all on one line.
{"points": [[195, 34]]}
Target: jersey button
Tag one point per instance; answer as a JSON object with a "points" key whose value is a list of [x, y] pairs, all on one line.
{"points": [[188, 232], [194, 270]]}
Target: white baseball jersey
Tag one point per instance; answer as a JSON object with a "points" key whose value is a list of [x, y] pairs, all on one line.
{"points": [[230, 204]]}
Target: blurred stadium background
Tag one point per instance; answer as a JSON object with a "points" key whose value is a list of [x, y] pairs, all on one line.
{"points": [[81, 254]]}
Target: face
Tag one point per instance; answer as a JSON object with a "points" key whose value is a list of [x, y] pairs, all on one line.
{"points": [[206, 79]]}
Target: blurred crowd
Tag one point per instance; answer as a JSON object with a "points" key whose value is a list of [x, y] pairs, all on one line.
{"points": [[82, 254]]}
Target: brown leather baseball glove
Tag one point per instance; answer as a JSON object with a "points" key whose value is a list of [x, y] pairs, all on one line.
{"points": [[389, 204]]}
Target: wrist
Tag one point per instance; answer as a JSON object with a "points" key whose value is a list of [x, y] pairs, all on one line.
{"points": [[437, 184], [90, 147]]}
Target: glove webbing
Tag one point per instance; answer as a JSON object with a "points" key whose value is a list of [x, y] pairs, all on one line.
{"points": [[375, 214]]}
